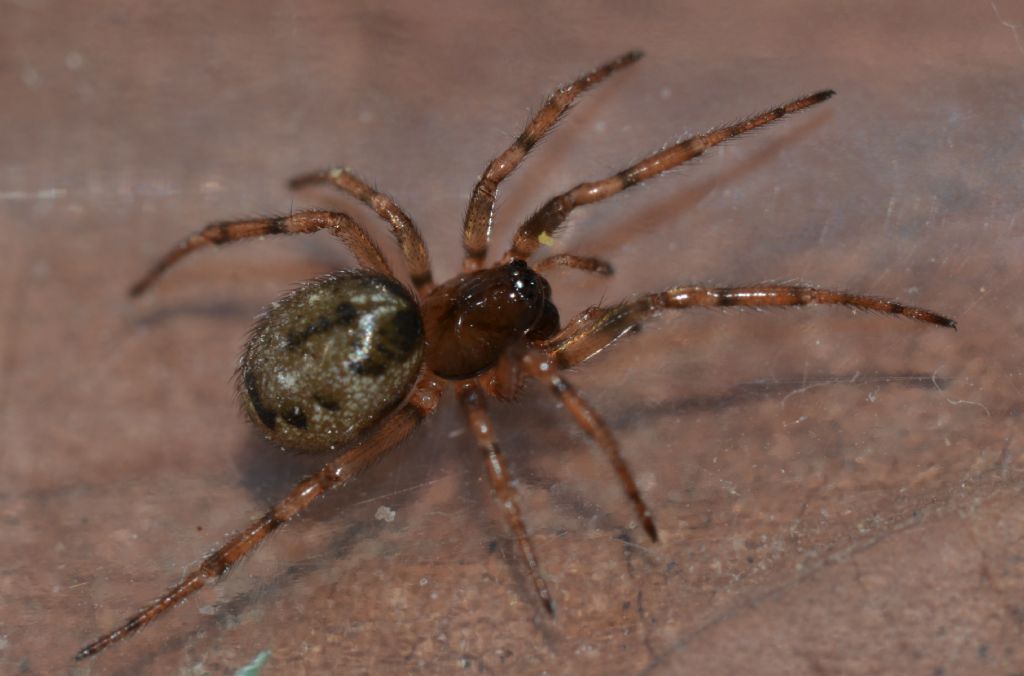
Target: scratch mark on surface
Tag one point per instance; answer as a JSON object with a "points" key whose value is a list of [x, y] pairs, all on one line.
{"points": [[1012, 26], [376, 498], [45, 194], [957, 402], [805, 386], [9, 340]]}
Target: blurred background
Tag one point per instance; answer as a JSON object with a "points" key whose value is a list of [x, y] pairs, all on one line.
{"points": [[837, 493]]}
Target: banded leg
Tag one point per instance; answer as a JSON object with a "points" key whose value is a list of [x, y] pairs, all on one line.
{"points": [[585, 263], [402, 227], [334, 474], [549, 218], [592, 423], [477, 229], [598, 327], [473, 403], [341, 226]]}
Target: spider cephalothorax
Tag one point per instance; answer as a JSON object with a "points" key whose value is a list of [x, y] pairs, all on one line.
{"points": [[476, 317], [353, 361]]}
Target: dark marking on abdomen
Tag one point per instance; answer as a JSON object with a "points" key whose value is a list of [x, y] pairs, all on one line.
{"points": [[267, 416], [325, 403], [295, 417], [344, 315], [399, 335]]}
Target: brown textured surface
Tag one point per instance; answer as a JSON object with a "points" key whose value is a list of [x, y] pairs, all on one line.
{"points": [[836, 493]]}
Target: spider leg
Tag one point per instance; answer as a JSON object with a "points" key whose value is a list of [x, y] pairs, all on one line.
{"points": [[472, 399], [590, 421], [585, 263], [402, 227], [477, 229], [334, 474], [340, 225], [549, 218], [598, 327], [504, 380]]}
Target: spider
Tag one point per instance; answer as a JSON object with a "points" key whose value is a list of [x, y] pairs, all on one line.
{"points": [[352, 361]]}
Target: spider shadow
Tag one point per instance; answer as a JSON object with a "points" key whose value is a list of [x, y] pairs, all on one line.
{"points": [[267, 472], [567, 441], [218, 310], [227, 613], [779, 388], [202, 632], [560, 144], [537, 168], [319, 259], [626, 225]]}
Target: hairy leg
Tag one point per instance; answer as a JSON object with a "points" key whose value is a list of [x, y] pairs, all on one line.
{"points": [[477, 229], [340, 225], [402, 227], [585, 263], [598, 327], [472, 399], [334, 474], [549, 218], [590, 421]]}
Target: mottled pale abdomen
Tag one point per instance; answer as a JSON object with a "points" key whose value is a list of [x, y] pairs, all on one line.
{"points": [[330, 359]]}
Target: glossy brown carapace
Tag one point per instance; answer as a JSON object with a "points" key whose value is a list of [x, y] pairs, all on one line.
{"points": [[350, 363], [475, 318]]}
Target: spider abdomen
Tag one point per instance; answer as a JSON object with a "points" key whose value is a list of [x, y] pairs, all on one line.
{"points": [[330, 359]]}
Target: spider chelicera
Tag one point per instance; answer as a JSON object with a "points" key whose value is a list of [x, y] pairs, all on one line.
{"points": [[351, 362]]}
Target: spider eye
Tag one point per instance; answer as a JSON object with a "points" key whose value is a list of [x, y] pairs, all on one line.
{"points": [[526, 284]]}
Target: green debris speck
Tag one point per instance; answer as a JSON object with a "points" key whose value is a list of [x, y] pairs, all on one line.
{"points": [[254, 667]]}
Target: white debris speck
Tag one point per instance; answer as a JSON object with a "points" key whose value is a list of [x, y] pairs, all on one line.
{"points": [[73, 60], [286, 379], [384, 513], [30, 77]]}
